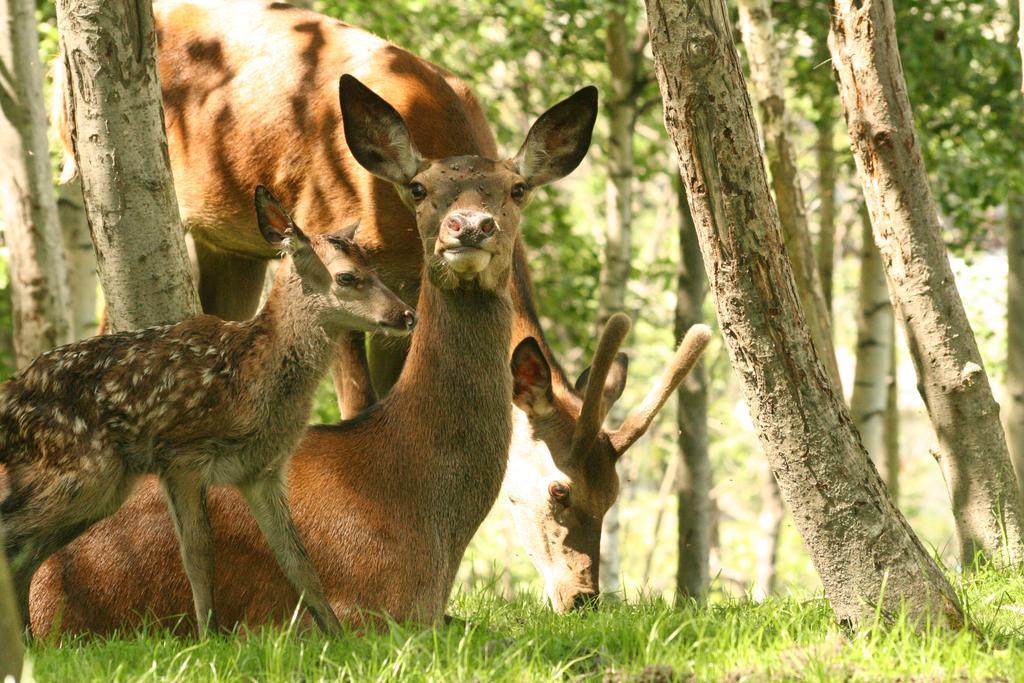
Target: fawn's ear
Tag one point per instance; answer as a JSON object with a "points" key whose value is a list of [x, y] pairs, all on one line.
{"points": [[558, 141], [376, 133], [280, 232], [275, 224], [614, 383], [531, 379]]}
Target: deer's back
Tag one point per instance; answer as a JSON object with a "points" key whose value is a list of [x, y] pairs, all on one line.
{"points": [[251, 96]]}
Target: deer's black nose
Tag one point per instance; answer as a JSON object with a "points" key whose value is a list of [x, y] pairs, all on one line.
{"points": [[409, 319]]}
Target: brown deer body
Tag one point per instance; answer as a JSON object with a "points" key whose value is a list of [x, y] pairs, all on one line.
{"points": [[214, 62], [410, 479], [199, 403], [385, 538], [233, 73]]}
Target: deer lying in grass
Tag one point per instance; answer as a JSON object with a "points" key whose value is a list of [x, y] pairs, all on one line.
{"points": [[199, 403], [393, 496]]}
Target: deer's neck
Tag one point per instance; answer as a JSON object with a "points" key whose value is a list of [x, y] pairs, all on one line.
{"points": [[454, 396], [289, 346]]}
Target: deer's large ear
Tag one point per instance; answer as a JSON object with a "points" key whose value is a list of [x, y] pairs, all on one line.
{"points": [[531, 379], [558, 141], [613, 384], [376, 133], [280, 232]]}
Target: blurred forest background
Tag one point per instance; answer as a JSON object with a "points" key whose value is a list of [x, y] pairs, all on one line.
{"points": [[963, 73]]}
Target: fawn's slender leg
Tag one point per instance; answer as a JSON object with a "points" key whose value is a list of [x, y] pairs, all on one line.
{"points": [[186, 497], [269, 504]]}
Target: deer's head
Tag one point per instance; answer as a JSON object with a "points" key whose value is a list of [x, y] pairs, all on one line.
{"points": [[337, 281], [467, 207], [561, 482]]}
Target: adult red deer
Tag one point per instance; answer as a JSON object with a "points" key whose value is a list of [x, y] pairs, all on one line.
{"points": [[214, 62], [413, 477]]}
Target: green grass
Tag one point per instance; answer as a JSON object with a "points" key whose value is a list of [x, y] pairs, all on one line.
{"points": [[644, 640]]}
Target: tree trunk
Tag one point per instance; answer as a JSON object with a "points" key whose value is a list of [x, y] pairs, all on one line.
{"points": [[1014, 416], [952, 381], [668, 482], [117, 132], [826, 158], [769, 90], [38, 289], [11, 651], [769, 526], [80, 259], [1020, 37], [865, 552], [892, 422], [874, 332], [621, 105], [693, 480]]}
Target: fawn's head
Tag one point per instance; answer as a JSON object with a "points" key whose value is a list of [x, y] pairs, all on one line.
{"points": [[561, 484], [467, 207], [337, 281]]}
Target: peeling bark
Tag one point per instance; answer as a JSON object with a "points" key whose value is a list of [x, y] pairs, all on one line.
{"points": [[693, 481], [117, 132], [951, 378], [769, 92], [862, 547], [38, 287], [874, 355]]}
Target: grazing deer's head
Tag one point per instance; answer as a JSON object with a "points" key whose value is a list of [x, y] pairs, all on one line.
{"points": [[562, 482], [467, 207], [337, 280]]}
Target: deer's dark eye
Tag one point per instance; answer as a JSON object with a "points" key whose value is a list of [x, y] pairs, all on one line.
{"points": [[346, 279], [518, 191], [417, 191], [559, 492]]}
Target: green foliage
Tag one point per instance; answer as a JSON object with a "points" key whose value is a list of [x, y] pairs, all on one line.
{"points": [[520, 640], [963, 73]]}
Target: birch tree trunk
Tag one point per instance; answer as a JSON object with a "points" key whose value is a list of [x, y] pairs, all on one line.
{"points": [[874, 332], [863, 549], [951, 379], [693, 480], [623, 63], [769, 90], [826, 160], [38, 288], [1014, 416], [79, 259], [117, 131]]}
